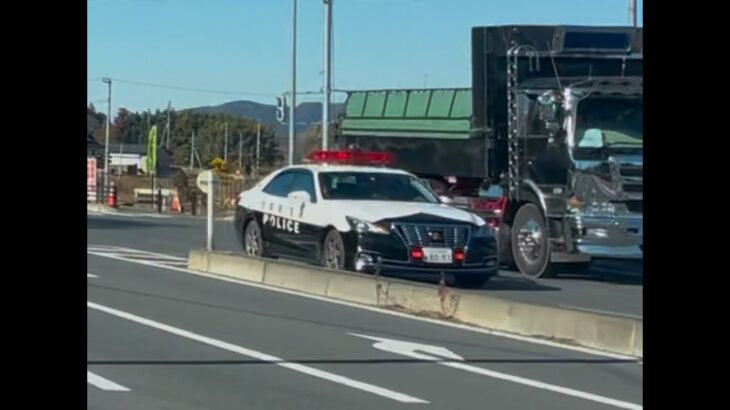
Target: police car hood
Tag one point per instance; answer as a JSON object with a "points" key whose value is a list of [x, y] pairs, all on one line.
{"points": [[376, 211]]}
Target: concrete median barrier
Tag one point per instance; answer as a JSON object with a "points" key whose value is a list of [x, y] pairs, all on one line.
{"points": [[227, 264], [608, 333]]}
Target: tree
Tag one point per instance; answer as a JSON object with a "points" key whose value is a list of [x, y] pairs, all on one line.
{"points": [[94, 120]]}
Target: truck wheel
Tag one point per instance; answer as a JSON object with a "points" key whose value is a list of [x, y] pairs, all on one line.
{"points": [[333, 251], [471, 281], [505, 246], [253, 244], [530, 242]]}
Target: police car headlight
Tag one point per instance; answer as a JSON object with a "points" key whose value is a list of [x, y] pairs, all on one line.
{"points": [[364, 226]]}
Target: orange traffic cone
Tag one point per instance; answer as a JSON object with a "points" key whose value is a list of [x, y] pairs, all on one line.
{"points": [[111, 199], [175, 204]]}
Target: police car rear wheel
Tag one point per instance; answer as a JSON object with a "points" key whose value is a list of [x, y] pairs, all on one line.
{"points": [[252, 244], [333, 251]]}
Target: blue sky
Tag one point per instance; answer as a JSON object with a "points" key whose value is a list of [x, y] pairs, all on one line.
{"points": [[243, 46]]}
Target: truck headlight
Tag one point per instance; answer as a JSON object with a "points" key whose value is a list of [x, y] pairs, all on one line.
{"points": [[361, 226], [602, 209]]}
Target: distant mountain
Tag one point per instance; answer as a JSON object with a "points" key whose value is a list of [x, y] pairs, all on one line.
{"points": [[308, 113]]}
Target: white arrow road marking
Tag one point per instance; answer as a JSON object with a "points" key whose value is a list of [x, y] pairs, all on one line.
{"points": [[409, 349], [103, 383], [321, 374], [436, 353], [89, 275]]}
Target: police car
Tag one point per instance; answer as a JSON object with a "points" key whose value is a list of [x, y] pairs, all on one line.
{"points": [[348, 210]]}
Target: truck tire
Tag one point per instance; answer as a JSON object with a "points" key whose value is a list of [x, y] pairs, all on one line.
{"points": [[530, 242], [504, 240]]}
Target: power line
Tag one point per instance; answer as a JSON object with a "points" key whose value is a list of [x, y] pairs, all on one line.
{"points": [[191, 89]]}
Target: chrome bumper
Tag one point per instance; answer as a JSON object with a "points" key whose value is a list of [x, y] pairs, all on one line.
{"points": [[620, 237]]}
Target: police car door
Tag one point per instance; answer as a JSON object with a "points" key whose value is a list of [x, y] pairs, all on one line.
{"points": [[274, 206], [302, 201]]}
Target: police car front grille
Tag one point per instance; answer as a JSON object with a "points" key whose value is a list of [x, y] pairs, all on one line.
{"points": [[454, 236]]}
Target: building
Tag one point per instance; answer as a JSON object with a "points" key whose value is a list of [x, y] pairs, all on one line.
{"points": [[132, 158], [93, 148]]}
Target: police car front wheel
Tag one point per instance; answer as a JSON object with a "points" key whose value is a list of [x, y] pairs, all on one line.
{"points": [[333, 251], [252, 242]]}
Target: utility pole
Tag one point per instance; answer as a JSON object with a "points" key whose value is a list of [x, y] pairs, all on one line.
{"points": [[327, 74], [192, 150], [225, 145], [258, 145], [108, 81], [167, 127], [293, 104], [240, 152]]}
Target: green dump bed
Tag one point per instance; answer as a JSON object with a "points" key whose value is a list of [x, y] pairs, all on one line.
{"points": [[428, 131], [433, 113]]}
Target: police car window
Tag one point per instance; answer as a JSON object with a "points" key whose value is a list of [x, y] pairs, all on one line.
{"points": [[279, 186], [303, 181], [374, 186]]}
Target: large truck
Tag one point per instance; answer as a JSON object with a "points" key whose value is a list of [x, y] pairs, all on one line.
{"points": [[546, 145]]}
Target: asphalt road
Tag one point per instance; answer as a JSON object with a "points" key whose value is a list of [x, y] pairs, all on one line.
{"points": [[165, 339], [614, 290]]}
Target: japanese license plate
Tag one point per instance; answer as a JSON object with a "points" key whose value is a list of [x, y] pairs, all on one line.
{"points": [[437, 255]]}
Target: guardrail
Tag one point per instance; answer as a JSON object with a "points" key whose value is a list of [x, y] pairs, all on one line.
{"points": [[611, 334]]}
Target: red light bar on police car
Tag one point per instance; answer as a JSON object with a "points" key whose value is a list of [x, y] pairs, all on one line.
{"points": [[351, 157]]}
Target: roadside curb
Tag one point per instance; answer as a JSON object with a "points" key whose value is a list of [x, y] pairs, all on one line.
{"points": [[100, 208], [611, 334]]}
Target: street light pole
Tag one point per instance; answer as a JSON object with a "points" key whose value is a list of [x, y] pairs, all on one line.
{"points": [[293, 104], [327, 74], [108, 81]]}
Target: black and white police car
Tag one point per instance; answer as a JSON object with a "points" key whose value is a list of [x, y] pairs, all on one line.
{"points": [[347, 210]]}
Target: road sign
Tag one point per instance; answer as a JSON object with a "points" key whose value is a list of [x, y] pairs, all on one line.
{"points": [[152, 152], [91, 179], [202, 181]]}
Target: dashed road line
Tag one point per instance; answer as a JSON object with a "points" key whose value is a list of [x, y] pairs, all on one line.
{"points": [[264, 357], [102, 383]]}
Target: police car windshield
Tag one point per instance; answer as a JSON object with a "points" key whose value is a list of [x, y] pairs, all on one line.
{"points": [[374, 186]]}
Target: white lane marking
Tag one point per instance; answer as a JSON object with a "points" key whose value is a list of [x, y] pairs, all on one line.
{"points": [[435, 353], [89, 275], [383, 311], [120, 251], [369, 388], [127, 215], [102, 383], [545, 386], [604, 312]]}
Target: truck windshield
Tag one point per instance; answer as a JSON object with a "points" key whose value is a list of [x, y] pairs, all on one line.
{"points": [[374, 186], [609, 123]]}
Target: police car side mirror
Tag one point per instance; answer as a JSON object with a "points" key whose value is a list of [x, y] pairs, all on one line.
{"points": [[300, 196], [446, 200]]}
